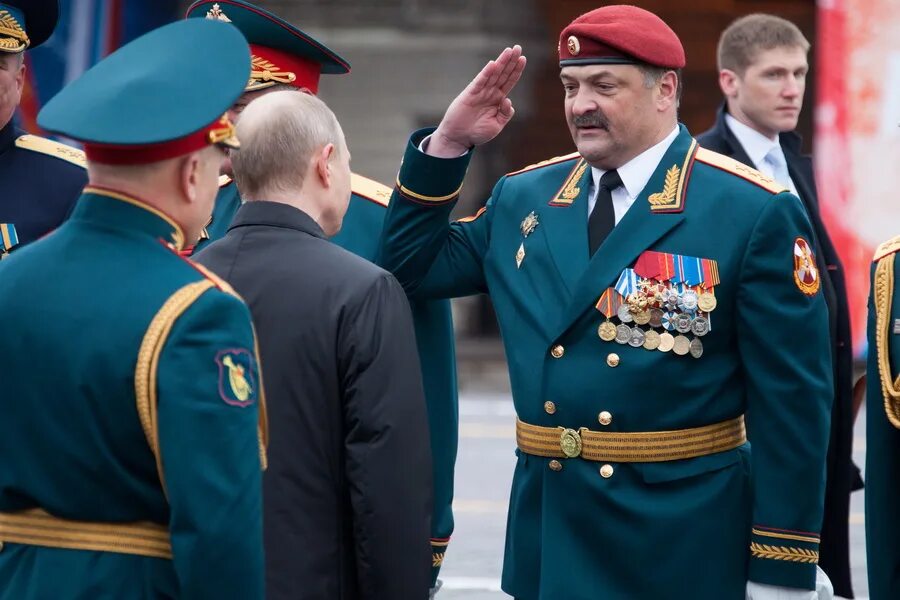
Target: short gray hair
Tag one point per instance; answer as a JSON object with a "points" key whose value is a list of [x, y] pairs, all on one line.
{"points": [[279, 134], [653, 74]]}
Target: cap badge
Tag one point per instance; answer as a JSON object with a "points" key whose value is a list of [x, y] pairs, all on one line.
{"points": [[573, 45], [225, 133], [217, 14], [12, 37]]}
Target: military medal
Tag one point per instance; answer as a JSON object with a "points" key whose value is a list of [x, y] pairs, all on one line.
{"points": [[642, 317], [666, 342], [707, 302], [637, 338], [520, 255], [651, 340], [656, 317], [624, 314], [896, 326], [682, 345], [608, 304], [668, 321], [696, 348], [528, 224], [700, 326], [683, 323], [623, 333], [689, 301], [607, 331]]}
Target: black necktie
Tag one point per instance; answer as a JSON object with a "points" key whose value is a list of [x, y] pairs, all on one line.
{"points": [[603, 217]]}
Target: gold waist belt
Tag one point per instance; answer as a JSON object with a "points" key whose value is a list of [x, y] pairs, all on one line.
{"points": [[606, 446], [36, 527]]}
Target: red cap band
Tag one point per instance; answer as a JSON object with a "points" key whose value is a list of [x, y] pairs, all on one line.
{"points": [[220, 131]]}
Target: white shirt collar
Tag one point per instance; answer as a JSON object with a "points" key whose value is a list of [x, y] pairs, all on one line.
{"points": [[637, 172], [754, 143]]}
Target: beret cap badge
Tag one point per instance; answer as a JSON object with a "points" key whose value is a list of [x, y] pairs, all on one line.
{"points": [[573, 45]]}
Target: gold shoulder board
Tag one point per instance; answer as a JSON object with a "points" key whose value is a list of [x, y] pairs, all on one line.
{"points": [[45, 146], [545, 163], [370, 189], [726, 163], [889, 247], [224, 180]]}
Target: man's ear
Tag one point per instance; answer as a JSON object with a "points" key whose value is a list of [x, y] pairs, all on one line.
{"points": [[190, 176], [323, 164], [729, 83], [20, 78]]}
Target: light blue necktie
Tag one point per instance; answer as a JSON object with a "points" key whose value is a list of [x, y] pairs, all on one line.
{"points": [[778, 167]]}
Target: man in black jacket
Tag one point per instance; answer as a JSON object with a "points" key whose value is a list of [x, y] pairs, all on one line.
{"points": [[762, 72], [347, 495]]}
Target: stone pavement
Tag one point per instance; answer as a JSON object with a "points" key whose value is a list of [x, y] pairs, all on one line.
{"points": [[484, 472]]}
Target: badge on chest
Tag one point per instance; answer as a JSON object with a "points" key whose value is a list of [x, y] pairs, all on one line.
{"points": [[663, 303]]}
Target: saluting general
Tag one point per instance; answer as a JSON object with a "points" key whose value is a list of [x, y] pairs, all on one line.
{"points": [[41, 178], [650, 293], [285, 58], [132, 436]]}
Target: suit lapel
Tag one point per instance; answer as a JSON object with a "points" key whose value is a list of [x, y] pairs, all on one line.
{"points": [[565, 227], [638, 230]]}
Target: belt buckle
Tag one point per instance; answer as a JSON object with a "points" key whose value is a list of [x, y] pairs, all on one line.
{"points": [[570, 442]]}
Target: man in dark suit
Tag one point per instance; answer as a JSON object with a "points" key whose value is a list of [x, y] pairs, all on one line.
{"points": [[762, 72], [348, 491]]}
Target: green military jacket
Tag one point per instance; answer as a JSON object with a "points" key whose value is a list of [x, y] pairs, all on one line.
{"points": [[131, 399], [883, 425], [623, 526], [434, 339]]}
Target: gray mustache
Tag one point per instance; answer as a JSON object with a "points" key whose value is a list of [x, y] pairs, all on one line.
{"points": [[591, 120]]}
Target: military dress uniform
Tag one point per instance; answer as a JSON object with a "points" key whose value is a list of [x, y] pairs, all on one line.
{"points": [[132, 409], [632, 370], [883, 425], [283, 53], [41, 178]]}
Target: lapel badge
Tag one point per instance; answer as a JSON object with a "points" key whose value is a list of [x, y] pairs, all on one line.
{"points": [[520, 255], [896, 326], [529, 224]]}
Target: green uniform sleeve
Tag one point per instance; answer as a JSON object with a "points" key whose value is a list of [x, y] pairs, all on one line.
{"points": [[430, 257], [208, 390], [783, 339], [883, 438]]}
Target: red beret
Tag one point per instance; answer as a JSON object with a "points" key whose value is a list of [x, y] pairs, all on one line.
{"points": [[620, 34]]}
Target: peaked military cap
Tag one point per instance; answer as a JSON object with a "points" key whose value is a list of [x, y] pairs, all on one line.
{"points": [[620, 34], [281, 52], [157, 97], [26, 23]]}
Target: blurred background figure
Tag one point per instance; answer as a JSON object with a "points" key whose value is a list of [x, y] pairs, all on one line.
{"points": [[763, 72], [41, 178]]}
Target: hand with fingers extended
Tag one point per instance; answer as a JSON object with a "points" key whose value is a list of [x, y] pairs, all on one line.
{"points": [[482, 110]]}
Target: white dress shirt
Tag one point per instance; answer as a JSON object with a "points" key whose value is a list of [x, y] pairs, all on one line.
{"points": [[635, 174], [758, 147]]}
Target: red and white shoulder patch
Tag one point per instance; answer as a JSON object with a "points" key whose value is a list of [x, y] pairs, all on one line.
{"points": [[806, 273]]}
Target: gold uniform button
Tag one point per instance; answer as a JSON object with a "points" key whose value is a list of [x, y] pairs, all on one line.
{"points": [[605, 417], [557, 351], [555, 465], [549, 407], [606, 471], [613, 359]]}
